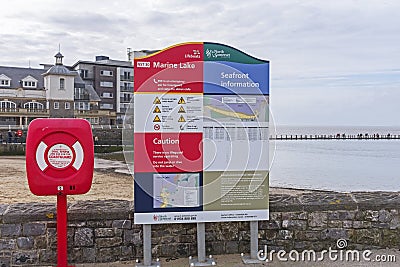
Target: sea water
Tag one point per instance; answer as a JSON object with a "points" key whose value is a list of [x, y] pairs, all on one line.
{"points": [[338, 165]]}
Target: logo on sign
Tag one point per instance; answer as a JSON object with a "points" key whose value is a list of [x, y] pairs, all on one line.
{"points": [[219, 54], [143, 64], [194, 54], [60, 156], [159, 218]]}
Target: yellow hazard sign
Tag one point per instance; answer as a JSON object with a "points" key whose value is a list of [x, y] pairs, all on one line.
{"points": [[157, 110], [181, 119], [181, 110], [181, 101], [157, 101], [156, 119]]}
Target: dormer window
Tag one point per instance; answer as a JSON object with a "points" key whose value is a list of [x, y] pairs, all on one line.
{"points": [[5, 81], [29, 82]]}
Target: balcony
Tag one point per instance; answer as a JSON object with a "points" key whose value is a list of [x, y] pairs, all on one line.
{"points": [[82, 97], [128, 89], [80, 113], [23, 112], [126, 78], [125, 99]]}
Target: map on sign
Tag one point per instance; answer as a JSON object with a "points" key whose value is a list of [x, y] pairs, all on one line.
{"points": [[176, 190], [236, 108]]}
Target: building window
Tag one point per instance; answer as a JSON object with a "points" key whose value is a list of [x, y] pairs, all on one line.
{"points": [[33, 105], [67, 105], [81, 94], [5, 80], [56, 105], [125, 97], [106, 72], [7, 105], [106, 84], [5, 83], [127, 75], [127, 87], [106, 106], [84, 73], [94, 120], [30, 84], [81, 106], [107, 95], [124, 105], [62, 84]]}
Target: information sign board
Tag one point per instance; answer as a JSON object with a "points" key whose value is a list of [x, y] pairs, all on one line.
{"points": [[201, 114]]}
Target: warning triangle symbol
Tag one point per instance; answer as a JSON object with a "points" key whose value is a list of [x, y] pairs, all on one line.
{"points": [[156, 119], [157, 101], [181, 101], [181, 110], [157, 110], [181, 119]]}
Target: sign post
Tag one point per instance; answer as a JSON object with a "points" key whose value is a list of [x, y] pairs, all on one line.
{"points": [[62, 255], [201, 259], [201, 113], [60, 161]]}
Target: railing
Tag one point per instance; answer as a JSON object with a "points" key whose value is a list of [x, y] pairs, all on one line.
{"points": [[123, 100], [95, 112], [24, 111], [126, 78], [94, 126], [335, 137], [82, 97], [126, 89], [6, 110]]}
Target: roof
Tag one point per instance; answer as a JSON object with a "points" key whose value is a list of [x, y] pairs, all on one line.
{"points": [[59, 70], [110, 62], [93, 96], [16, 74]]}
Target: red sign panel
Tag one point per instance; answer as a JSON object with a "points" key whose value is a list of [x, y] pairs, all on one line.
{"points": [[176, 69], [59, 156], [168, 152]]}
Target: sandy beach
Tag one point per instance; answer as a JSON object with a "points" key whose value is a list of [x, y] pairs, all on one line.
{"points": [[108, 183]]}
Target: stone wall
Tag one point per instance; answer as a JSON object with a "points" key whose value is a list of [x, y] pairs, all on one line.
{"points": [[12, 149], [104, 231], [105, 136]]}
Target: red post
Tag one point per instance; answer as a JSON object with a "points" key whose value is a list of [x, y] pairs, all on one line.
{"points": [[62, 258]]}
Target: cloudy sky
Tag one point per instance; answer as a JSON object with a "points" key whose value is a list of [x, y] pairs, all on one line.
{"points": [[332, 62]]}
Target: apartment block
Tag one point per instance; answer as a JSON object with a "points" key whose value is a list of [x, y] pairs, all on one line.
{"points": [[113, 83]]}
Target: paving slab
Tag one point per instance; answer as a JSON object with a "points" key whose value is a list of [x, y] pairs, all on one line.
{"points": [[234, 260]]}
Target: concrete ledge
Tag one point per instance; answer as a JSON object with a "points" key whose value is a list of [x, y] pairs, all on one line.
{"points": [[118, 209], [284, 202], [28, 212], [327, 201], [101, 209], [377, 200]]}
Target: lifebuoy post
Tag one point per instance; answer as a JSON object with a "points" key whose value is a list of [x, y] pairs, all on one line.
{"points": [[60, 161]]}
